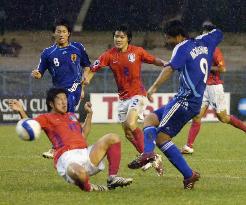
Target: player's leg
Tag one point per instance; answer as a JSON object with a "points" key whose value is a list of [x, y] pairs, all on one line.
{"points": [[196, 123], [220, 102], [79, 175], [71, 165], [148, 158], [193, 132], [171, 151], [130, 137], [109, 145], [122, 113], [230, 119], [135, 109]]}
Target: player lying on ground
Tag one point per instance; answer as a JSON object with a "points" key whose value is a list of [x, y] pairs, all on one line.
{"points": [[214, 95], [73, 159], [192, 59]]}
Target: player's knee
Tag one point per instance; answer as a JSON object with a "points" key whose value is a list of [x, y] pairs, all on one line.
{"points": [[76, 172], [224, 118], [113, 138], [151, 120], [130, 124]]}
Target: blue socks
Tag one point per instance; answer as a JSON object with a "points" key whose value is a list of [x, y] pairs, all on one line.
{"points": [[150, 136], [176, 158]]}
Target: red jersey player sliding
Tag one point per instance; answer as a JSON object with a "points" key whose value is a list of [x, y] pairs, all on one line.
{"points": [[214, 96], [73, 159], [125, 62]]}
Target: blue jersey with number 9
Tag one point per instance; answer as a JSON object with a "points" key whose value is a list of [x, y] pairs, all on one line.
{"points": [[193, 58]]}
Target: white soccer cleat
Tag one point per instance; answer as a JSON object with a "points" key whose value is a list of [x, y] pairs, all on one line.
{"points": [[117, 181], [49, 154], [156, 164], [187, 150], [96, 187]]}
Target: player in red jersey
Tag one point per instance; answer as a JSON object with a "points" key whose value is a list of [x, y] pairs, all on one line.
{"points": [[73, 159], [125, 61], [214, 96]]}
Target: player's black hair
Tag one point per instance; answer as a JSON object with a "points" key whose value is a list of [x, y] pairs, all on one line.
{"points": [[207, 26], [51, 94], [174, 28], [125, 29], [62, 22]]}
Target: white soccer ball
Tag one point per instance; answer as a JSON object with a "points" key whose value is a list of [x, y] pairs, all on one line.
{"points": [[28, 129]]}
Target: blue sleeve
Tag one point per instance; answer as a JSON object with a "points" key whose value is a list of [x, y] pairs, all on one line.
{"points": [[84, 62], [178, 58], [213, 38], [43, 63]]}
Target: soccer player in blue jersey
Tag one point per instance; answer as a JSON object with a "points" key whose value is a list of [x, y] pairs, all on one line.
{"points": [[65, 62], [192, 58]]}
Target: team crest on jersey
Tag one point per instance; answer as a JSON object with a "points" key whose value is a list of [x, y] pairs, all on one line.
{"points": [[96, 63], [131, 57], [73, 57], [73, 118]]}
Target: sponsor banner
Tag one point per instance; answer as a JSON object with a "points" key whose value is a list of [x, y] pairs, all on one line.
{"points": [[32, 105], [105, 106]]}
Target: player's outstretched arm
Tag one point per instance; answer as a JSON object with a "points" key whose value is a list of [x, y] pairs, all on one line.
{"points": [[17, 106], [163, 77], [160, 62], [87, 122], [87, 76], [36, 74]]}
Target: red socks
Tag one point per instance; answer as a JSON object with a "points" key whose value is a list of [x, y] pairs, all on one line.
{"points": [[138, 141], [195, 127], [237, 123], [114, 156]]}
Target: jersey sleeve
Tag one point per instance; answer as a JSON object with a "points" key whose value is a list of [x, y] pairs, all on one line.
{"points": [[102, 61], [85, 62], [42, 120], [146, 57], [218, 58], [43, 63], [178, 58]]}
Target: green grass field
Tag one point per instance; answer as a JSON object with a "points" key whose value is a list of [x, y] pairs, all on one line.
{"points": [[220, 150]]}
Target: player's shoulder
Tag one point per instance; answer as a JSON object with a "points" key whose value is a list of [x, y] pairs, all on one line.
{"points": [[135, 48], [77, 45], [110, 51], [49, 49], [182, 45]]}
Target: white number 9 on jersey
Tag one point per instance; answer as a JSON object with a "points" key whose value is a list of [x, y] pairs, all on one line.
{"points": [[204, 68], [56, 62]]}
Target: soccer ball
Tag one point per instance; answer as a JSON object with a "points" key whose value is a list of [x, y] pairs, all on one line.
{"points": [[28, 129]]}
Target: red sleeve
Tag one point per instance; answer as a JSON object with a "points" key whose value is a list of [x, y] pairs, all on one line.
{"points": [[102, 61], [43, 121], [218, 58], [146, 57]]}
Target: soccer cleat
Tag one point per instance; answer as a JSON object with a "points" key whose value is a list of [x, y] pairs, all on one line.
{"points": [[142, 160], [157, 164], [95, 187], [49, 154], [189, 183], [116, 181], [187, 150]]}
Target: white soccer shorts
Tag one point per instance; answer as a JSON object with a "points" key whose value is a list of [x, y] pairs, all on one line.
{"points": [[214, 95], [79, 156], [137, 102]]}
